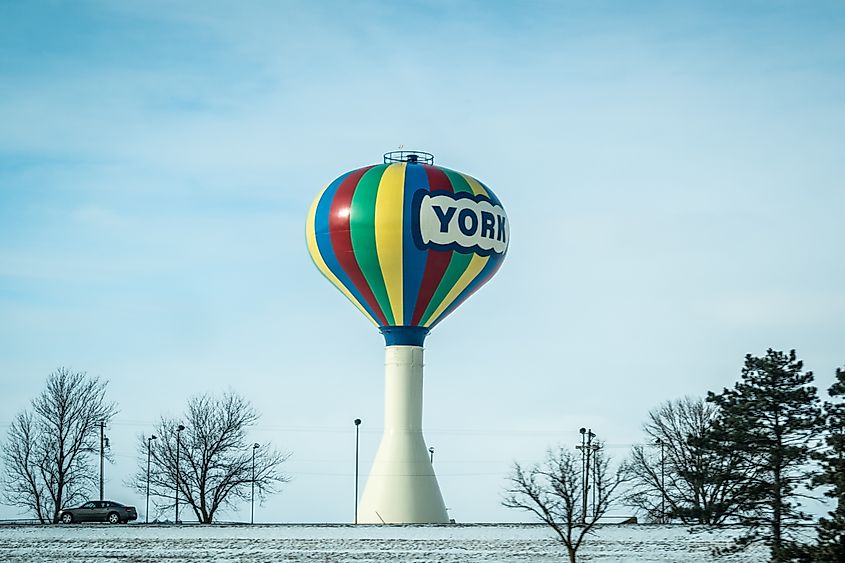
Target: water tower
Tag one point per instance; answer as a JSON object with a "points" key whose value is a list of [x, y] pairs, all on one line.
{"points": [[406, 242]]}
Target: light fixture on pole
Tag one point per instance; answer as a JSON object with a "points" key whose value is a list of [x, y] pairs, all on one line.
{"points": [[252, 499], [431, 451], [147, 513], [357, 425], [178, 430]]}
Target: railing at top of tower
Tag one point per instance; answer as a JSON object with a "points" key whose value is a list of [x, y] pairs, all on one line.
{"points": [[409, 156]]}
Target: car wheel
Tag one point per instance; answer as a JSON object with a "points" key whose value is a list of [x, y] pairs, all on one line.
{"points": [[67, 518], [113, 518]]}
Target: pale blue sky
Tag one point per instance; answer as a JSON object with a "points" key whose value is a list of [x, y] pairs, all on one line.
{"points": [[673, 173]]}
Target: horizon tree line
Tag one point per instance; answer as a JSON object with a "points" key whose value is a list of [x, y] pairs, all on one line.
{"points": [[46, 456], [744, 456]]}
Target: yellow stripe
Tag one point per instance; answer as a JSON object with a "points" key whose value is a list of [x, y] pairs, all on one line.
{"points": [[477, 188], [314, 251], [388, 219], [475, 266]]}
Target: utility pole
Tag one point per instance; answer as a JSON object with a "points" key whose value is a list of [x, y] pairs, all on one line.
{"points": [[583, 448], [595, 448], [586, 448], [590, 437]]}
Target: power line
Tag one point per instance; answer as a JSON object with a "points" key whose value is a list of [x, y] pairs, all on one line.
{"points": [[376, 430]]}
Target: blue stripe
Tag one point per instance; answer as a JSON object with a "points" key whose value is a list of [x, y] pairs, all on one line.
{"points": [[493, 197], [324, 243], [495, 259], [413, 259]]}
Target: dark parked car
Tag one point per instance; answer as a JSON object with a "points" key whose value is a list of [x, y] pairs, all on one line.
{"points": [[99, 511]]}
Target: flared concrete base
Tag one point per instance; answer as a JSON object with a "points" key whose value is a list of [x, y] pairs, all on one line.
{"points": [[402, 487]]}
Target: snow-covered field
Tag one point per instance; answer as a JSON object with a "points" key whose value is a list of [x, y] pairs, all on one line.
{"points": [[313, 543]]}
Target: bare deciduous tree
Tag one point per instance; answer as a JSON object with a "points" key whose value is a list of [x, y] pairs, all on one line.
{"points": [[215, 460], [553, 492], [21, 484], [677, 476], [47, 448]]}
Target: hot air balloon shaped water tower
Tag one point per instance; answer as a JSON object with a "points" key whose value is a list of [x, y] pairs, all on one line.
{"points": [[407, 242]]}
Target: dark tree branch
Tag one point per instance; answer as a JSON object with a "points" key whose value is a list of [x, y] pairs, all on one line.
{"points": [[215, 461], [553, 493], [47, 448]]}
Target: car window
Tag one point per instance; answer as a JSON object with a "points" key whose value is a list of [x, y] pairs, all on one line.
{"points": [[88, 505]]}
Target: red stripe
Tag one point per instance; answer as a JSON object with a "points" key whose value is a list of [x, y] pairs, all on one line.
{"points": [[437, 260], [341, 236], [475, 287], [438, 181]]}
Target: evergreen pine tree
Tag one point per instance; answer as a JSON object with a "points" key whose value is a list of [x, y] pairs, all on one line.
{"points": [[831, 540], [773, 416]]}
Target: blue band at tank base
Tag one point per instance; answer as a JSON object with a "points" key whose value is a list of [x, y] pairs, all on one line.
{"points": [[404, 335]]}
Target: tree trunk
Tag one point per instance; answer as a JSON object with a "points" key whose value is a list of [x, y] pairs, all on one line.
{"points": [[777, 516], [60, 486]]}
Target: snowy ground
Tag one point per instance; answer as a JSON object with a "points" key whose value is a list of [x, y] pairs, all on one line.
{"points": [[362, 544]]}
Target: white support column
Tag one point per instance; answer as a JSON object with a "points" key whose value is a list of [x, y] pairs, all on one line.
{"points": [[402, 487]]}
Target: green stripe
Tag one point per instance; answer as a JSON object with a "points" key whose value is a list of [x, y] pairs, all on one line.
{"points": [[458, 263], [459, 183], [362, 225]]}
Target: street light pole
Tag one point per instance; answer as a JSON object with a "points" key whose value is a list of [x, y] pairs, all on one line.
{"points": [[252, 500], [147, 513], [357, 425], [102, 454], [659, 442], [431, 451], [178, 430]]}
